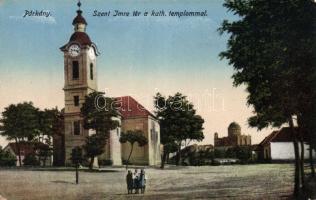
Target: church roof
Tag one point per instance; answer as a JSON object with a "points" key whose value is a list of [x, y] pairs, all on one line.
{"points": [[130, 108], [80, 37]]}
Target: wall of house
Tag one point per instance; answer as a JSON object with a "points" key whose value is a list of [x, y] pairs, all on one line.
{"points": [[285, 151]]}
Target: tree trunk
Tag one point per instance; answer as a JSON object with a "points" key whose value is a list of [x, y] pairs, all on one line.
{"points": [[163, 160], [19, 150], [302, 164], [311, 161], [178, 157], [91, 162], [77, 173], [297, 159], [129, 156]]}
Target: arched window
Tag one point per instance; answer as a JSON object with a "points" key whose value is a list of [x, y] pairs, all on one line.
{"points": [[75, 69], [91, 71]]}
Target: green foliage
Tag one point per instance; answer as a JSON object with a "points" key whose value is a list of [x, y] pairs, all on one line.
{"points": [[134, 136], [178, 121], [271, 52], [6, 158], [98, 113], [95, 144], [31, 160], [219, 153], [19, 121], [44, 151], [76, 156]]}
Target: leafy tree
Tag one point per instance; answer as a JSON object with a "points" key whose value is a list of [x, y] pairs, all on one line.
{"points": [[44, 151], [94, 146], [6, 158], [31, 160], [132, 137], [99, 115], [178, 123], [19, 123], [269, 48]]}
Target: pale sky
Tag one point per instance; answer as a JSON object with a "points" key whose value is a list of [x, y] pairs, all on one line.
{"points": [[139, 56]]}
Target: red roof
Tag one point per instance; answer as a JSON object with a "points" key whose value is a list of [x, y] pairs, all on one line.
{"points": [[25, 147], [130, 108], [79, 19], [282, 135], [80, 37]]}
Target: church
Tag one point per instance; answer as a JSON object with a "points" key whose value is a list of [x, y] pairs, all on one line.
{"points": [[80, 76], [234, 138]]}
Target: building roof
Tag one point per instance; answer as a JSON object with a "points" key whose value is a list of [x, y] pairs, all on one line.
{"points": [[130, 108], [25, 147], [282, 135], [81, 38]]}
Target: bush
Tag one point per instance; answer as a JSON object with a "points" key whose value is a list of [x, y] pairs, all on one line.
{"points": [[105, 162], [31, 160], [7, 159]]}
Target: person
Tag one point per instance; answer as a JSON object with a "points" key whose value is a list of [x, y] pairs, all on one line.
{"points": [[129, 182], [142, 181], [135, 181]]}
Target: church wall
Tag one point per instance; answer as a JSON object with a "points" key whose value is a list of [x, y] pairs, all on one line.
{"points": [[72, 140], [140, 154], [154, 142]]}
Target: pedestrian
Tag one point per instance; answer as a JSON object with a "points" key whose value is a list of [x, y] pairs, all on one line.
{"points": [[129, 182], [142, 181], [136, 181]]}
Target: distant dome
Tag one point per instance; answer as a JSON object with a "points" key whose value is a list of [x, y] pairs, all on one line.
{"points": [[234, 125]]}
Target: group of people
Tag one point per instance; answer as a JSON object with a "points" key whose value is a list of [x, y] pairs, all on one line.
{"points": [[136, 181]]}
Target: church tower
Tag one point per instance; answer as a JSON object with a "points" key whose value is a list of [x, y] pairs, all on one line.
{"points": [[80, 55]]}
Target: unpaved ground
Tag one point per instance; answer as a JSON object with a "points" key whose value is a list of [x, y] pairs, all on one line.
{"points": [[265, 181]]}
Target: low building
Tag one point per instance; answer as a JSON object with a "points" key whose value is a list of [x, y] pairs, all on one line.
{"points": [[234, 138], [278, 146], [26, 148]]}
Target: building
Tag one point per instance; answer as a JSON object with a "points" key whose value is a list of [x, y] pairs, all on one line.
{"points": [[234, 138], [26, 148], [80, 72], [278, 146]]}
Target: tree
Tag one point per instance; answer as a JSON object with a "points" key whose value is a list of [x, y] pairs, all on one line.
{"points": [[19, 123], [132, 137], [31, 160], [99, 115], [94, 146], [178, 123], [76, 158], [6, 158], [269, 48]]}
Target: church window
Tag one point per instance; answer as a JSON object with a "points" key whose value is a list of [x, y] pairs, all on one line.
{"points": [[76, 127], [75, 69], [76, 100], [91, 71]]}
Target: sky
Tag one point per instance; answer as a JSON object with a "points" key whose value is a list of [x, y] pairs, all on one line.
{"points": [[140, 56]]}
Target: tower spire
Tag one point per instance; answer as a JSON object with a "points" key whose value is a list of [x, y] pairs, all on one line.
{"points": [[79, 4]]}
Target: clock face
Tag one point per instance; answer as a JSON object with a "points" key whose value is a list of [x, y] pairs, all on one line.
{"points": [[74, 50], [91, 53]]}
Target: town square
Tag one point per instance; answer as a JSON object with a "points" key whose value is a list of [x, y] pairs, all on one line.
{"points": [[208, 99]]}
